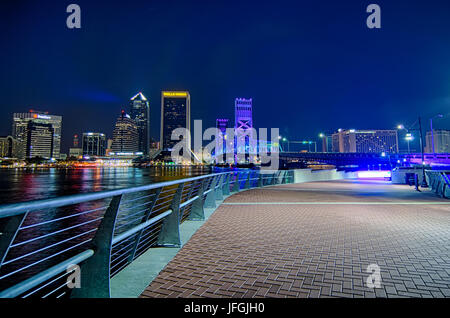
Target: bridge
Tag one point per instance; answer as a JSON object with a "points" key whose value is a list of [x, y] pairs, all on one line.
{"points": [[363, 160], [295, 233]]}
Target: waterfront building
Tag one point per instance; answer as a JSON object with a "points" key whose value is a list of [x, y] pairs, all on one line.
{"points": [[75, 152], [441, 138], [39, 140], [8, 147], [75, 141], [365, 141], [94, 144], [175, 113], [140, 113], [125, 136], [39, 120]]}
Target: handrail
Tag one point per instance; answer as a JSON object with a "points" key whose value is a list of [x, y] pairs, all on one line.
{"points": [[34, 281], [28, 206], [111, 235]]}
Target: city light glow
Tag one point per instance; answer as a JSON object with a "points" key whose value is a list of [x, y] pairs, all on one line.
{"points": [[375, 174]]}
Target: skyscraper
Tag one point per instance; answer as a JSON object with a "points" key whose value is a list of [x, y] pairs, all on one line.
{"points": [[75, 141], [39, 120], [140, 113], [222, 125], [243, 125], [94, 144], [39, 140], [175, 113], [125, 135]]}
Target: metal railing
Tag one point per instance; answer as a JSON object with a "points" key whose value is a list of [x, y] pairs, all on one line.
{"points": [[103, 232], [439, 182]]}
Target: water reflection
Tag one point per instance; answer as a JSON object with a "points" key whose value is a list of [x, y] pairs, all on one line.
{"points": [[18, 185]]}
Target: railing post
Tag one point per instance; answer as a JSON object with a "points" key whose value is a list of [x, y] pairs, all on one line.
{"points": [[197, 210], [210, 201], [247, 182], [145, 218], [236, 185], [277, 177], [226, 184], [8, 232], [95, 272], [260, 180], [284, 178], [218, 189], [170, 231]]}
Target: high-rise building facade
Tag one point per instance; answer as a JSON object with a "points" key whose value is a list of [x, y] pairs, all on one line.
{"points": [[76, 141], [327, 143], [8, 147], [175, 113], [441, 139], [365, 141], [94, 144], [243, 111], [140, 113], [40, 122], [125, 135], [39, 140], [221, 125]]}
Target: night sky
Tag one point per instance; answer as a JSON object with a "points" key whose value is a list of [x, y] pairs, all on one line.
{"points": [[310, 66]]}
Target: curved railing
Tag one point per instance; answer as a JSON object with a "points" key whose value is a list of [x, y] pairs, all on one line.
{"points": [[439, 182], [44, 243]]}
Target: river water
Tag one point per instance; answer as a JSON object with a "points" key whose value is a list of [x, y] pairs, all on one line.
{"points": [[18, 185]]}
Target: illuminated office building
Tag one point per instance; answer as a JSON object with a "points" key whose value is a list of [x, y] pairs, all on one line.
{"points": [[94, 144], [29, 135], [8, 147], [244, 126], [76, 141], [175, 113], [365, 141], [39, 140], [221, 125], [441, 139], [125, 136], [140, 113]]}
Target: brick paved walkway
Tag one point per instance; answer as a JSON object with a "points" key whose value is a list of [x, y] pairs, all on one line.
{"points": [[316, 240]]}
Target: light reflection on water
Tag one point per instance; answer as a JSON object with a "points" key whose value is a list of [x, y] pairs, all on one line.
{"points": [[18, 185]]}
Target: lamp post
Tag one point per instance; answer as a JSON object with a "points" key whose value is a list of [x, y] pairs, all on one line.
{"points": [[324, 147], [285, 140], [424, 180], [408, 138]]}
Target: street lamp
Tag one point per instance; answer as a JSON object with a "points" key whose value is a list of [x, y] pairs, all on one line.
{"points": [[285, 140], [409, 137]]}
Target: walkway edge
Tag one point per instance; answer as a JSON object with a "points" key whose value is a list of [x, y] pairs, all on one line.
{"points": [[136, 277]]}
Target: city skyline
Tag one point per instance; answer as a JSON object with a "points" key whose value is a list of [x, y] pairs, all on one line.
{"points": [[317, 78]]}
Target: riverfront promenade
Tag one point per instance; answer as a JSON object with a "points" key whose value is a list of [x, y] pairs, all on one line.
{"points": [[316, 240]]}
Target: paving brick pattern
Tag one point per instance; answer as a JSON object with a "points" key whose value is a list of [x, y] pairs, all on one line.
{"points": [[255, 251]]}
